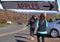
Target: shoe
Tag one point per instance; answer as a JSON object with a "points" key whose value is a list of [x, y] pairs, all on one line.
{"points": [[32, 38]]}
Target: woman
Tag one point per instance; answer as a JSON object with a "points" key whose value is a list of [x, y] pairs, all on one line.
{"points": [[32, 23], [41, 24]]}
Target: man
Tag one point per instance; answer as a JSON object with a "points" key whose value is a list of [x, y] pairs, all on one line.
{"points": [[32, 23]]}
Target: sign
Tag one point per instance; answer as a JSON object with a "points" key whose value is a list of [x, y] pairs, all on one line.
{"points": [[39, 5]]}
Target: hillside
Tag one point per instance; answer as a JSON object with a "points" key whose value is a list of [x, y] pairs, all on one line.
{"points": [[19, 17]]}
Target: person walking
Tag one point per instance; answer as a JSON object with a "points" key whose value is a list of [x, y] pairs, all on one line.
{"points": [[32, 23], [41, 24]]}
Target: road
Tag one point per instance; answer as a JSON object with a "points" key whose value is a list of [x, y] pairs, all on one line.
{"points": [[12, 34]]}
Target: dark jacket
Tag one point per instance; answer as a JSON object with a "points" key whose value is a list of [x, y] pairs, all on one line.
{"points": [[42, 25], [32, 22]]}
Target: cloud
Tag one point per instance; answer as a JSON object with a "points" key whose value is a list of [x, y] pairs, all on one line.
{"points": [[59, 9], [1, 6]]}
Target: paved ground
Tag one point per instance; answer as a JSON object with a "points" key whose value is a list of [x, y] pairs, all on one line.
{"points": [[22, 36]]}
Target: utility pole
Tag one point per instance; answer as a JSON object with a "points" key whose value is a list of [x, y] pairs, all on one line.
{"points": [[45, 14], [56, 3]]}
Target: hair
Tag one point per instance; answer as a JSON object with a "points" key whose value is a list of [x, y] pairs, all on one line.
{"points": [[42, 15], [33, 16]]}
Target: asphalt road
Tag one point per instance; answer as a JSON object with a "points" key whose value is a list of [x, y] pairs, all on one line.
{"points": [[20, 36], [10, 29]]}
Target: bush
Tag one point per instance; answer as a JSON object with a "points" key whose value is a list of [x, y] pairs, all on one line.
{"points": [[2, 21]]}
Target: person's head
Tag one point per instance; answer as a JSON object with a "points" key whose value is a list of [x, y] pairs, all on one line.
{"points": [[42, 16], [33, 16]]}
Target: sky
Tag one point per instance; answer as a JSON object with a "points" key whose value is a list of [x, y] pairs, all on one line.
{"points": [[18, 10]]}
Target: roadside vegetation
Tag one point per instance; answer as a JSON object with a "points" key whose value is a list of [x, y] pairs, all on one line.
{"points": [[6, 24]]}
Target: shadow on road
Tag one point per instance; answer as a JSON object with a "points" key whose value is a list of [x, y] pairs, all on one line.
{"points": [[23, 34], [20, 41], [22, 37]]}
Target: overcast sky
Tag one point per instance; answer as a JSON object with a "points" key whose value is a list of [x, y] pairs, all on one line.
{"points": [[30, 0]]}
